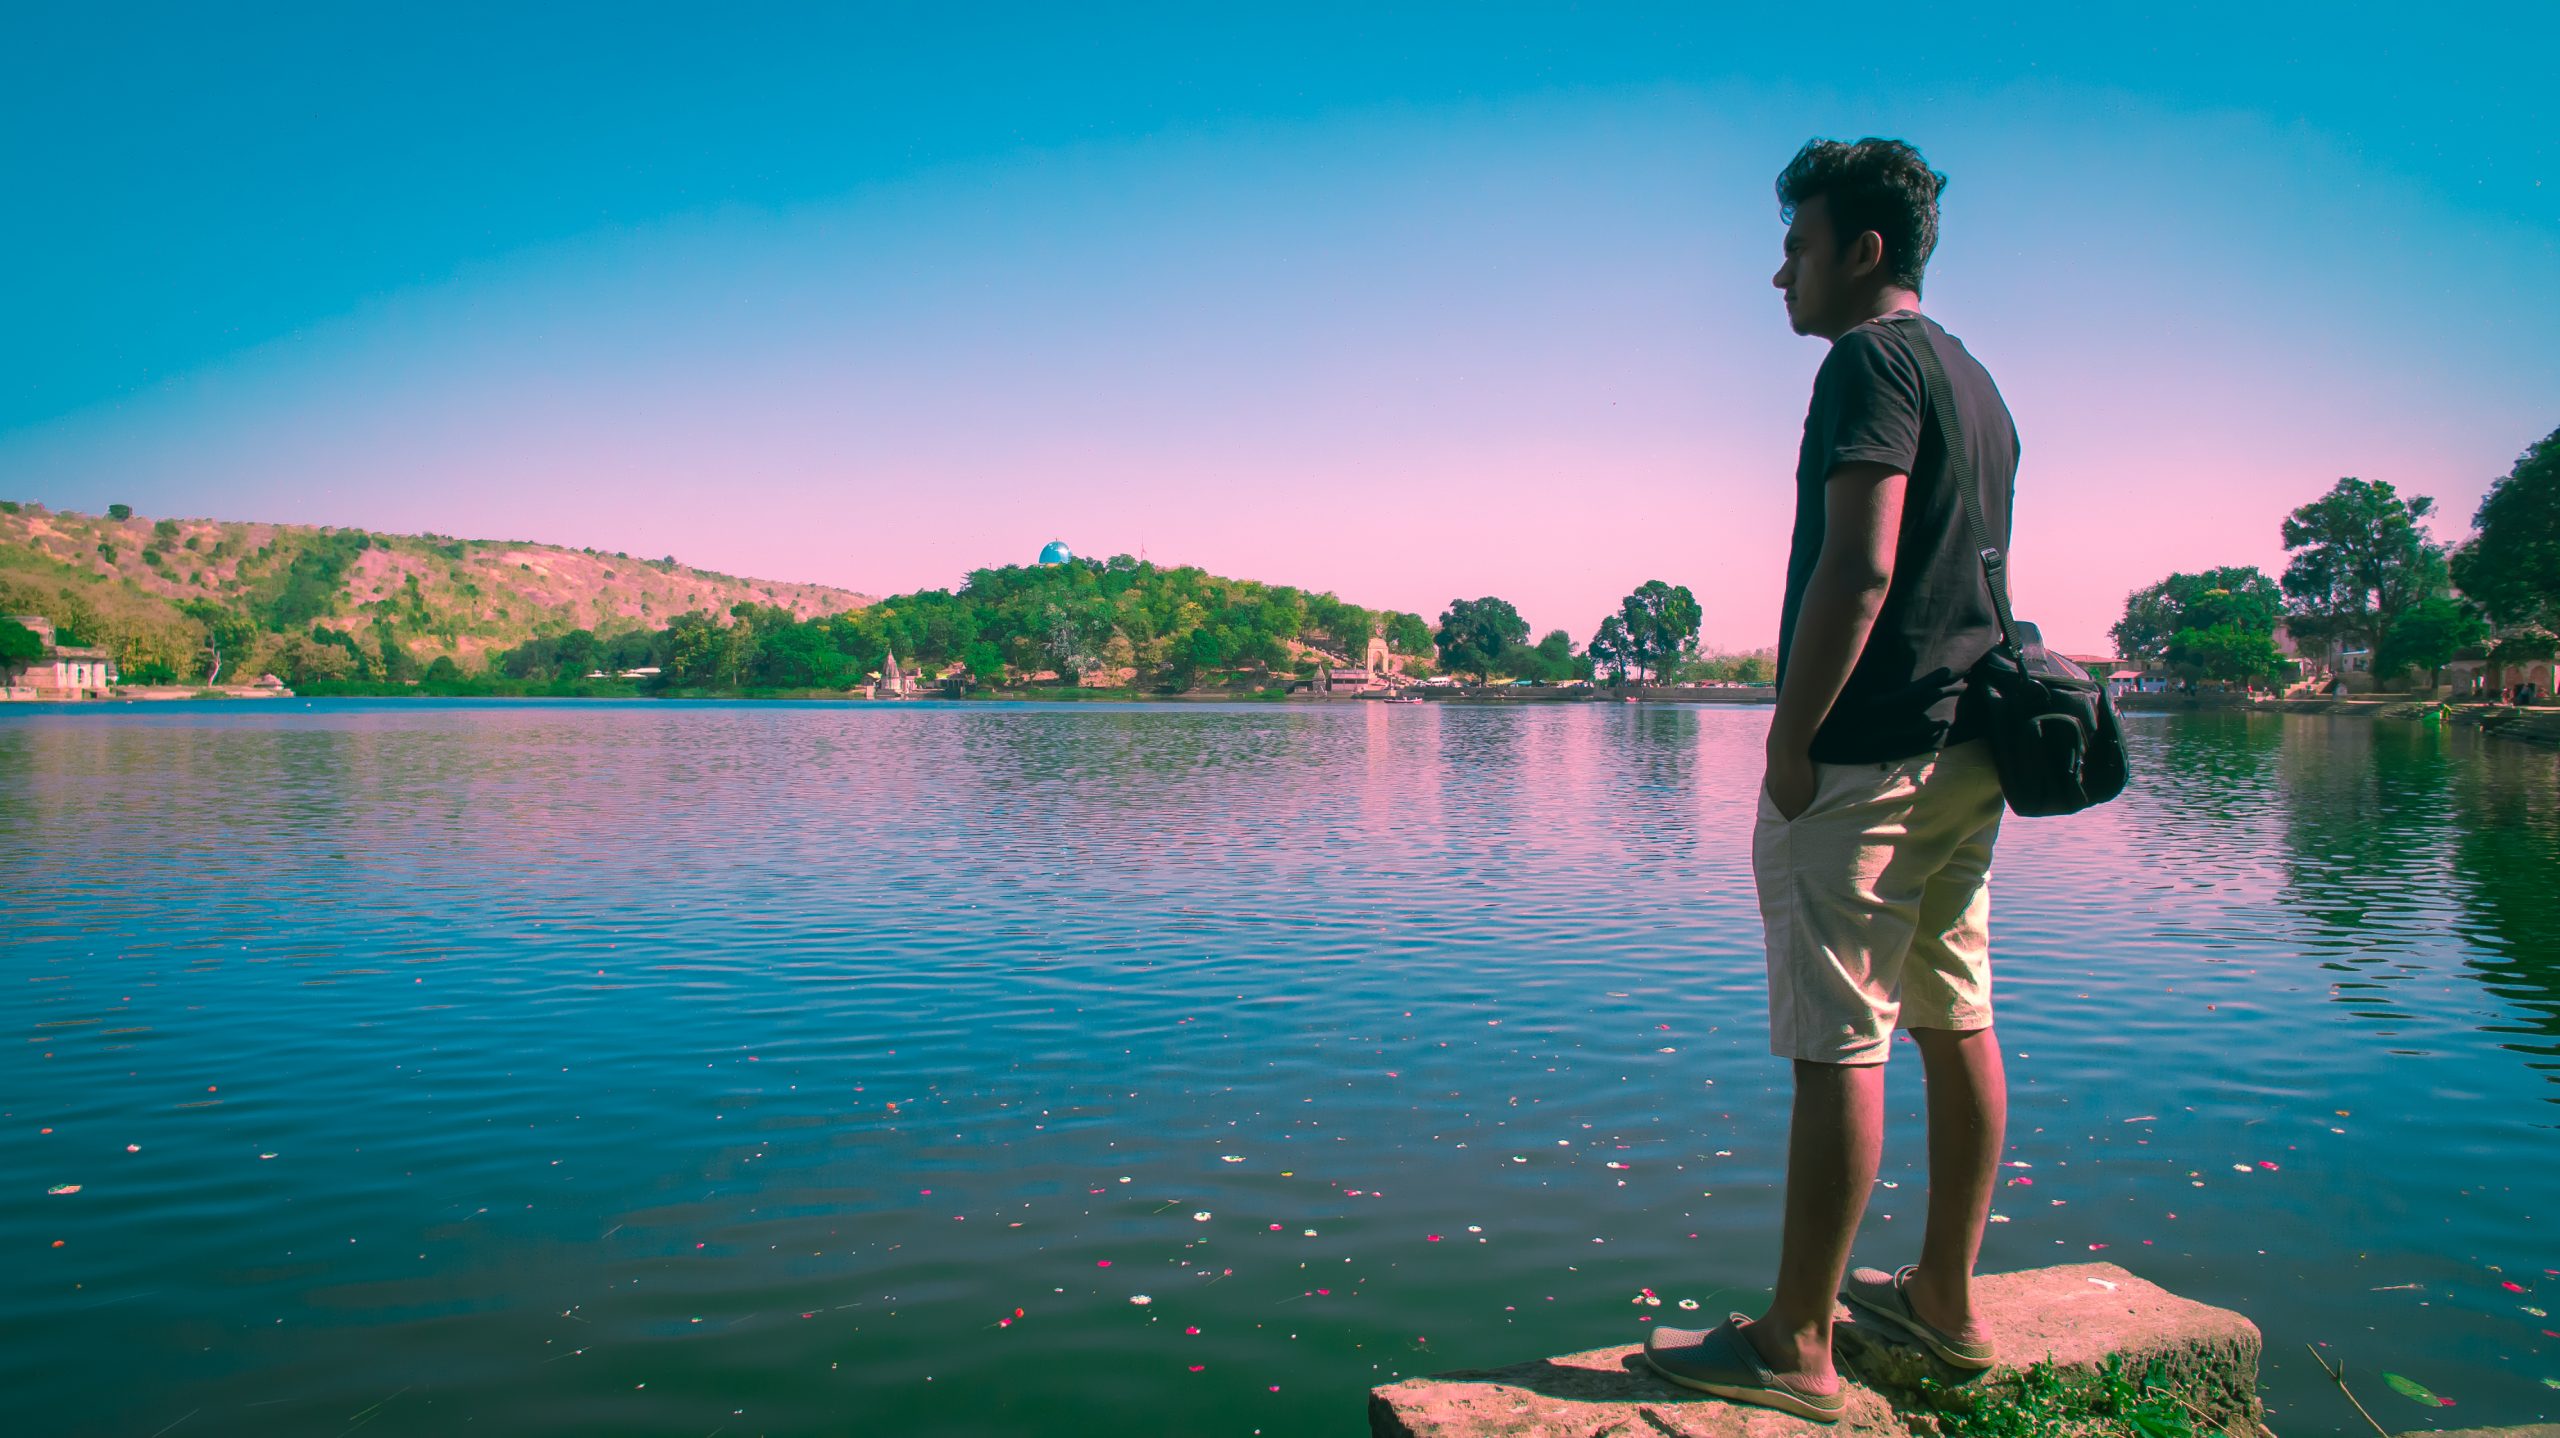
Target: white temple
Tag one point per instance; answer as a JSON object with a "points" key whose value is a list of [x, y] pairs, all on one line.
{"points": [[894, 684]]}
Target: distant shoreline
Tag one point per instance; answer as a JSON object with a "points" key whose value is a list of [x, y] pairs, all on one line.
{"points": [[1753, 695], [2540, 726]]}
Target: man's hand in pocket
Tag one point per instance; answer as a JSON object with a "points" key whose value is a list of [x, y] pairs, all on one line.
{"points": [[1790, 783]]}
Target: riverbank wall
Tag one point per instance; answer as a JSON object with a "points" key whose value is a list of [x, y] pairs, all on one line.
{"points": [[20, 694], [2530, 725], [2533, 726], [1633, 693]]}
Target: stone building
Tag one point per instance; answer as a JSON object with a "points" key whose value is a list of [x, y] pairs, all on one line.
{"points": [[1382, 669], [68, 671]]}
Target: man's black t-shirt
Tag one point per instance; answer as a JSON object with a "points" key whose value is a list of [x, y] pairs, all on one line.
{"points": [[1903, 698]]}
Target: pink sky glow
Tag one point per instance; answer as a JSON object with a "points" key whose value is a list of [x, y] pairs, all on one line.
{"points": [[1528, 351]]}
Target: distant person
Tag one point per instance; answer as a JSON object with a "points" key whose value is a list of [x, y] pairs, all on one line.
{"points": [[1872, 849]]}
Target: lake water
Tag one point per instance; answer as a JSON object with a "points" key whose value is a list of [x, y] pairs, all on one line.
{"points": [[733, 1069]]}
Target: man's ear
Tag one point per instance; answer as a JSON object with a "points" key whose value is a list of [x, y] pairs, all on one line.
{"points": [[1869, 256]]}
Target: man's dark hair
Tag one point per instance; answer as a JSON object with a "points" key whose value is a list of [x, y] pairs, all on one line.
{"points": [[1879, 185]]}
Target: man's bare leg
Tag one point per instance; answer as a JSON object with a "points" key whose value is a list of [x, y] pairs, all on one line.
{"points": [[1834, 1141], [1968, 1120]]}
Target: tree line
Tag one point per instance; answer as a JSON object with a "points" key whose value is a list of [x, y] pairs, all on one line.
{"points": [[1120, 623], [1126, 623], [1652, 637], [2362, 573]]}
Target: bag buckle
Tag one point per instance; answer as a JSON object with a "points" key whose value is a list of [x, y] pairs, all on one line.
{"points": [[1991, 559]]}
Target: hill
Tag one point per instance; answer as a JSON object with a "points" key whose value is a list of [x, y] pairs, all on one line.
{"points": [[151, 590]]}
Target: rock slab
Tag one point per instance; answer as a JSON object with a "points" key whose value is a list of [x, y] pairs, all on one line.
{"points": [[2075, 1315]]}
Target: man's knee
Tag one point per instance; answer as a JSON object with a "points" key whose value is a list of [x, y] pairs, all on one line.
{"points": [[1950, 1040]]}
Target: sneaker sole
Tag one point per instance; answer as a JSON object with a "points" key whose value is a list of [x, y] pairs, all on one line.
{"points": [[1925, 1339], [1772, 1398]]}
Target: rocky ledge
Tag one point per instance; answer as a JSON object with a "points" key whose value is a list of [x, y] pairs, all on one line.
{"points": [[2076, 1316]]}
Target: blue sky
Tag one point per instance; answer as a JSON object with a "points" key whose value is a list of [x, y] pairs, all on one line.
{"points": [[1438, 300]]}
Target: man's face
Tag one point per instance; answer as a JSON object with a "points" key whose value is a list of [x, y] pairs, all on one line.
{"points": [[1815, 278]]}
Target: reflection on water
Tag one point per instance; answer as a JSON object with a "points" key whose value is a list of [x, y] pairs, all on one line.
{"points": [[2368, 824], [2506, 852], [525, 1068]]}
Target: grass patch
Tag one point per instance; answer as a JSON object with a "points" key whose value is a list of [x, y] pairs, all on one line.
{"points": [[2044, 1403]]}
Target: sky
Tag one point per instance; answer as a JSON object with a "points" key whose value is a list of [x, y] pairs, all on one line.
{"points": [[1409, 303]]}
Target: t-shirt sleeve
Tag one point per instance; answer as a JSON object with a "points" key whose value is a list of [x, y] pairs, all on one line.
{"points": [[1870, 392]]}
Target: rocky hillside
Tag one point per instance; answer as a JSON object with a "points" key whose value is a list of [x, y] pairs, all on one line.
{"points": [[133, 583]]}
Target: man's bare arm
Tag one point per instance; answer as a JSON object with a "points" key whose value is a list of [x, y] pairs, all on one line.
{"points": [[1862, 521]]}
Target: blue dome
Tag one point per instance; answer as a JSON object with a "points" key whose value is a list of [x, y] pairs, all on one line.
{"points": [[1056, 552]]}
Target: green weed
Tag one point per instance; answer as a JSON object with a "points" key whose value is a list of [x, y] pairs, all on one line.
{"points": [[2043, 1403]]}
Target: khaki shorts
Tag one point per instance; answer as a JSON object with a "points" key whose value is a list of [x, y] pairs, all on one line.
{"points": [[1877, 902]]}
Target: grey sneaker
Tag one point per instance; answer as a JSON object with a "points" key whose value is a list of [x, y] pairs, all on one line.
{"points": [[1872, 1290], [1721, 1361]]}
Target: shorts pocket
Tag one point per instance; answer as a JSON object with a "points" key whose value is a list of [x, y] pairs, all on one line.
{"points": [[1826, 782]]}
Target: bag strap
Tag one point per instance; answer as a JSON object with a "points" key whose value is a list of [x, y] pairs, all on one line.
{"points": [[1942, 408]]}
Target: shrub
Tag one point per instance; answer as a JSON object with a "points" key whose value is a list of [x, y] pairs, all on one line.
{"points": [[18, 645], [119, 512]]}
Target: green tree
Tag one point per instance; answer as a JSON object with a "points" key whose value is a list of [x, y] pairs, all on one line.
{"points": [[1613, 650], [2240, 595], [306, 660], [1751, 668], [1557, 660], [119, 512], [392, 658], [360, 664], [1550, 661], [1474, 635], [2428, 636], [19, 647], [555, 657], [803, 656], [1662, 623], [1409, 634], [702, 652], [228, 634], [2226, 651], [2358, 561], [2511, 564]]}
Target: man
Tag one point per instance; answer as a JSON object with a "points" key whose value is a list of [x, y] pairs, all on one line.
{"points": [[1872, 850]]}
